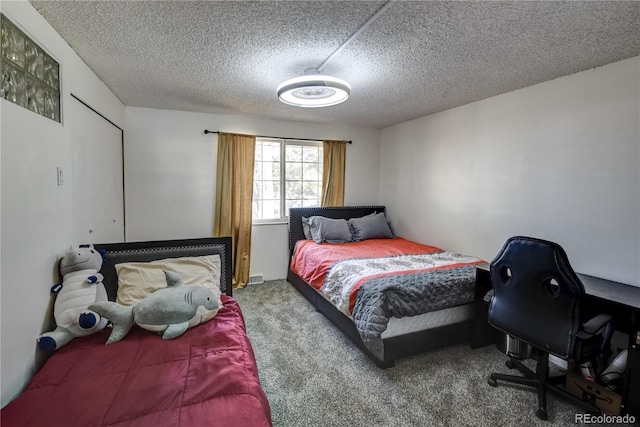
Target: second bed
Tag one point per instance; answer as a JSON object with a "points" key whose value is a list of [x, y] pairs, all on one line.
{"points": [[393, 297]]}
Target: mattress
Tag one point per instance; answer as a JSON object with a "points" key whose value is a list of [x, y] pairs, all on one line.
{"points": [[405, 325]]}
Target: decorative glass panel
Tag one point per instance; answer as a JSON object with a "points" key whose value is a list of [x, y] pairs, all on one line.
{"points": [[35, 60], [35, 96], [13, 85], [12, 43], [51, 73], [30, 77], [52, 104]]}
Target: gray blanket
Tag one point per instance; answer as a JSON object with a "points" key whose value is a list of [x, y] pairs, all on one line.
{"points": [[408, 295]]}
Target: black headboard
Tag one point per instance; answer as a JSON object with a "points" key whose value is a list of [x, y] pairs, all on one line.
{"points": [[159, 249], [346, 212]]}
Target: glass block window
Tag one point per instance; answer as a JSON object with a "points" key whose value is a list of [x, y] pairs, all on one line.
{"points": [[30, 77], [287, 173]]}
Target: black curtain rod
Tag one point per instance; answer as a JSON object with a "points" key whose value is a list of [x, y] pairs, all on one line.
{"points": [[274, 137]]}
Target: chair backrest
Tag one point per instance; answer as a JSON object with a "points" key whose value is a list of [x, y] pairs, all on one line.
{"points": [[536, 295]]}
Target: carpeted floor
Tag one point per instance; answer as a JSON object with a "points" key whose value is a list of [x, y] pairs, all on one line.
{"points": [[314, 376]]}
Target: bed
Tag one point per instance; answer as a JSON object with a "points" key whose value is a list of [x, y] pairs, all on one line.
{"points": [[364, 292], [207, 376]]}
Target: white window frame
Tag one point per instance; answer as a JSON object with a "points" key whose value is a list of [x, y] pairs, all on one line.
{"points": [[283, 144]]}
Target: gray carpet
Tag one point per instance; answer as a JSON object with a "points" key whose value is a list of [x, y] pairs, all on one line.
{"points": [[315, 376]]}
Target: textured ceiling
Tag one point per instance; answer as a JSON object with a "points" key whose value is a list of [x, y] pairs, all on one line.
{"points": [[417, 58]]}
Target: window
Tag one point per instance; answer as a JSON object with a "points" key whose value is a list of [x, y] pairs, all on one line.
{"points": [[288, 173], [30, 77]]}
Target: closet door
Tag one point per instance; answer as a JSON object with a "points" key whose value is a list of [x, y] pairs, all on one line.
{"points": [[97, 169]]}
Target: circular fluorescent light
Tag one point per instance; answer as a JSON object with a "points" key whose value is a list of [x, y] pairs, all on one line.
{"points": [[314, 91]]}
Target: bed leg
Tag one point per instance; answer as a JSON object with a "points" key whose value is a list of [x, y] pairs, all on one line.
{"points": [[384, 364]]}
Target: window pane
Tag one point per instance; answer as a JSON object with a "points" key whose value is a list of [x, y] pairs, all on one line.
{"points": [[257, 190], [310, 172], [271, 151], [258, 155], [310, 154], [311, 190], [271, 190], [294, 190], [294, 153], [271, 209], [256, 209], [257, 170], [293, 171], [272, 169]]}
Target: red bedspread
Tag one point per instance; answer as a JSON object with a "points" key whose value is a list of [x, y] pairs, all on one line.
{"points": [[312, 261], [206, 377]]}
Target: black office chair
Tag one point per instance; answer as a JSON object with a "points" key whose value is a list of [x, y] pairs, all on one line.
{"points": [[537, 300]]}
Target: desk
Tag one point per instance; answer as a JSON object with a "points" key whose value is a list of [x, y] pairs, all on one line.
{"points": [[601, 296]]}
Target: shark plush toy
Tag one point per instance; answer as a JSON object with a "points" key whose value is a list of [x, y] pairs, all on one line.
{"points": [[169, 311], [81, 286]]}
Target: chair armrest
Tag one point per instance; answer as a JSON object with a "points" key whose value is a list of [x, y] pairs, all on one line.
{"points": [[596, 323]]}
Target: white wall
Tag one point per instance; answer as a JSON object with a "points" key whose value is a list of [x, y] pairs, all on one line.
{"points": [[36, 214], [559, 160], [170, 175]]}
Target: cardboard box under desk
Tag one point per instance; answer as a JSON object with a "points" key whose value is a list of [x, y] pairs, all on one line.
{"points": [[600, 396]]}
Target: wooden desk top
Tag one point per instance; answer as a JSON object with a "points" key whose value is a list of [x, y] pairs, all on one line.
{"points": [[617, 292]]}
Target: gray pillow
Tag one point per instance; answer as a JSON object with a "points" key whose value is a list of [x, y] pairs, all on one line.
{"points": [[329, 230], [305, 228], [370, 227]]}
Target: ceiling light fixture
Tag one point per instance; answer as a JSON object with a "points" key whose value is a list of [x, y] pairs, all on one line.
{"points": [[319, 90], [314, 90]]}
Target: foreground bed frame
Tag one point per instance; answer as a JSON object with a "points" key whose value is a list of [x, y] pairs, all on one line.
{"points": [[158, 249], [394, 347]]}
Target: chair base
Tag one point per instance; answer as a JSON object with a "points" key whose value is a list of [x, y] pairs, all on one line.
{"points": [[541, 381]]}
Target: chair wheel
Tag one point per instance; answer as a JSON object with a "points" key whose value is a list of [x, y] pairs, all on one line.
{"points": [[492, 382], [542, 414], [509, 364]]}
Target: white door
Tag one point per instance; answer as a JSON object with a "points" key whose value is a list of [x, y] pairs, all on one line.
{"points": [[98, 190]]}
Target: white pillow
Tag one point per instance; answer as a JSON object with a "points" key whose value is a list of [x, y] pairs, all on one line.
{"points": [[136, 280]]}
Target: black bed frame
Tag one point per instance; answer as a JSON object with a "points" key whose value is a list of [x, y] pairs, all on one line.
{"points": [[394, 347], [159, 249]]}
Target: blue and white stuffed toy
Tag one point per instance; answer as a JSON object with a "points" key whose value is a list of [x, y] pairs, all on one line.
{"points": [[81, 287]]}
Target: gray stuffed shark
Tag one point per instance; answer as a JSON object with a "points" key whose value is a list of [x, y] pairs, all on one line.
{"points": [[170, 311]]}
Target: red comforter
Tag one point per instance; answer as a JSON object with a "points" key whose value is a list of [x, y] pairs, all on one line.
{"points": [[312, 261], [206, 377]]}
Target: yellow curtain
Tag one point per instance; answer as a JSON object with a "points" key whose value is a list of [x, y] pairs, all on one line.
{"points": [[335, 154], [234, 194]]}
